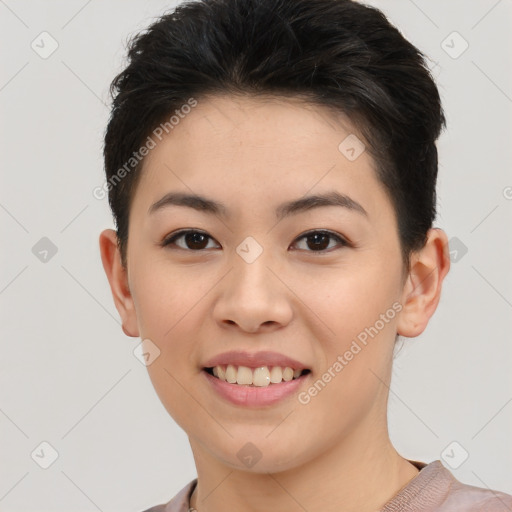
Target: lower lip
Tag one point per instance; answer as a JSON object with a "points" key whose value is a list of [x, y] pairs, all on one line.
{"points": [[255, 395]]}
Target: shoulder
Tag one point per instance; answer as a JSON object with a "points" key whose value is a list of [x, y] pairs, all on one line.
{"points": [[436, 489], [469, 498], [179, 503]]}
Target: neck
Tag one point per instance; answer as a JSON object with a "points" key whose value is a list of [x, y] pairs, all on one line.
{"points": [[345, 478]]}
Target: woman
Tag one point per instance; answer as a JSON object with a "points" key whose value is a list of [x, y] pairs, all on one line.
{"points": [[271, 167]]}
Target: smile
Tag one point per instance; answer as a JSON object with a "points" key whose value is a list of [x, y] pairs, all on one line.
{"points": [[250, 394], [261, 376]]}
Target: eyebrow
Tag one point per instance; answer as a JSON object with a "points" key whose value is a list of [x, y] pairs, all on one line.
{"points": [[203, 204]]}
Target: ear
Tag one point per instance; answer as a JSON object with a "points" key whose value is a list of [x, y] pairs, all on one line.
{"points": [[422, 289], [118, 279]]}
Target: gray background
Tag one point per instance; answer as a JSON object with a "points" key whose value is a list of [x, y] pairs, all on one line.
{"points": [[68, 375]]}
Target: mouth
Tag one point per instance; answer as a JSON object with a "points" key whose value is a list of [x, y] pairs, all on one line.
{"points": [[261, 376]]}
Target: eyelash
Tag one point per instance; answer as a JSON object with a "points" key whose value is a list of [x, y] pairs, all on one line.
{"points": [[172, 239]]}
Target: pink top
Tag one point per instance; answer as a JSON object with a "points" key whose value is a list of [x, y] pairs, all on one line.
{"points": [[433, 489]]}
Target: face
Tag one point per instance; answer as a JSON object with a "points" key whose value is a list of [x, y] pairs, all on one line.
{"points": [[318, 282]]}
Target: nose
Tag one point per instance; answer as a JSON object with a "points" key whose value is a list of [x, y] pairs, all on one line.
{"points": [[253, 296]]}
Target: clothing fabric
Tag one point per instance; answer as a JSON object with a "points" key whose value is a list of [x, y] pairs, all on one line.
{"points": [[433, 489]]}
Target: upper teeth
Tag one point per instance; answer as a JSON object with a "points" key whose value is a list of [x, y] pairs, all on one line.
{"points": [[262, 376]]}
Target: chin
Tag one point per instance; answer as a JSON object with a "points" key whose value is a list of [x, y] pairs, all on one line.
{"points": [[260, 455]]}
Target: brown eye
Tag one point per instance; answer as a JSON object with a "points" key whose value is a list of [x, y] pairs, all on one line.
{"points": [[318, 241], [192, 240]]}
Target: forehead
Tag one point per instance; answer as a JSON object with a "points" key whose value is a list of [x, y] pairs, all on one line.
{"points": [[271, 148], [271, 129], [266, 120]]}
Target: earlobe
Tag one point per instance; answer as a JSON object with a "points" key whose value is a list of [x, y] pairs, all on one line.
{"points": [[118, 280], [422, 291]]}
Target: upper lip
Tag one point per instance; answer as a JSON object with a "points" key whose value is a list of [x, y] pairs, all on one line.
{"points": [[254, 360]]}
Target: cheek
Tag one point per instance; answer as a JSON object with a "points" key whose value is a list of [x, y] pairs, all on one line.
{"points": [[356, 356], [163, 298], [169, 312], [357, 328], [171, 308], [350, 299]]}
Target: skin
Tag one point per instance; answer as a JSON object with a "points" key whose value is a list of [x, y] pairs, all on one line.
{"points": [[333, 453]]}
